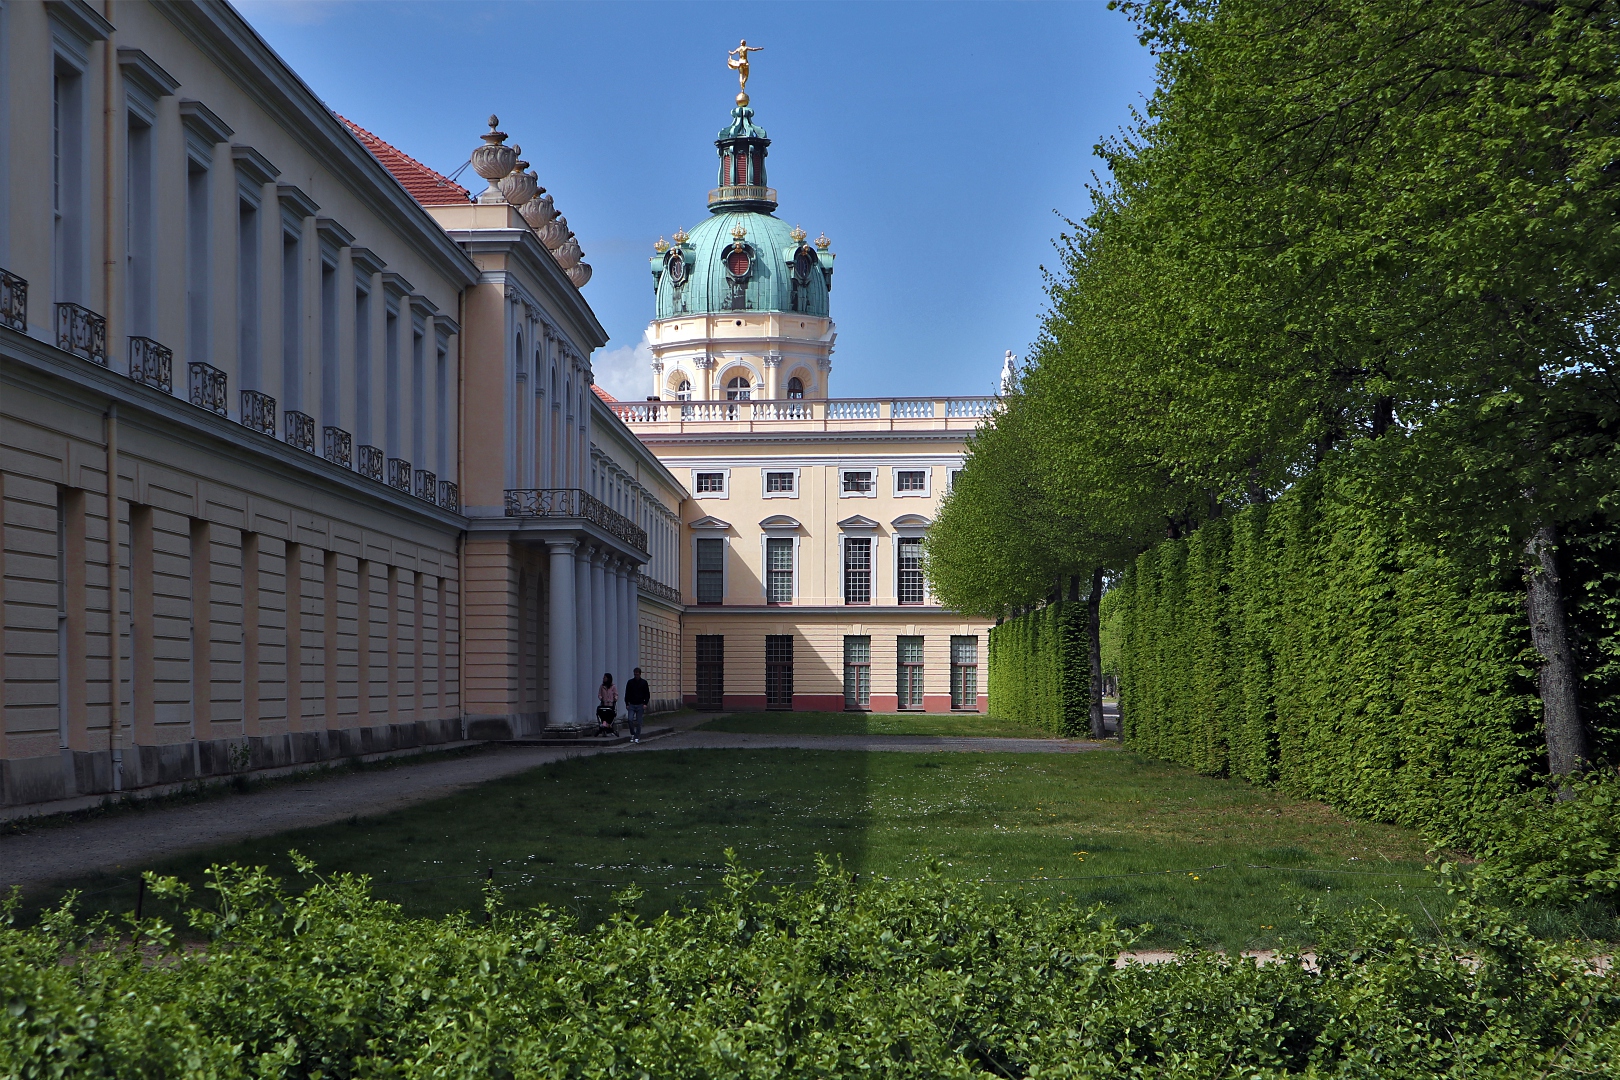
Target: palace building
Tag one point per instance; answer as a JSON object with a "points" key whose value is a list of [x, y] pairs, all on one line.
{"points": [[301, 455]]}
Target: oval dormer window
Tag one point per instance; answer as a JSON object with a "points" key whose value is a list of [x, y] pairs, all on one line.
{"points": [[676, 266], [804, 260], [738, 262]]}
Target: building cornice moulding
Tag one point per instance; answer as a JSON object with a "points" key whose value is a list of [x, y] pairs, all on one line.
{"points": [[146, 74], [532, 256]]}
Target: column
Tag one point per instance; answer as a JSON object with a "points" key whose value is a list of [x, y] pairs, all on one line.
{"points": [[658, 378], [585, 687], [632, 621], [563, 661], [600, 618], [773, 375]]}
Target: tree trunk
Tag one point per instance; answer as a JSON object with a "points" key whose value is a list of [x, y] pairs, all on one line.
{"points": [[1094, 647], [1556, 678]]}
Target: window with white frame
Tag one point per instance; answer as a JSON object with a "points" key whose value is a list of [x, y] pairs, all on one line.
{"points": [[780, 483], [912, 482], [856, 484], [908, 567], [857, 569], [779, 569], [711, 483], [711, 570], [954, 476]]}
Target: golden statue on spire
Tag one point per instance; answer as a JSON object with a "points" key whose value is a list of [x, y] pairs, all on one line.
{"points": [[737, 60]]}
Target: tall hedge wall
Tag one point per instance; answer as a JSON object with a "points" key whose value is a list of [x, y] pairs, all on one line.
{"points": [[1314, 645], [1039, 673]]}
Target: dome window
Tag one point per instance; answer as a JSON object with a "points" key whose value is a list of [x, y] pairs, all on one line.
{"points": [[683, 392], [739, 389], [795, 387]]}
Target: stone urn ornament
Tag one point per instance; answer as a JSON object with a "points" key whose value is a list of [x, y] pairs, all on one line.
{"points": [[519, 186], [493, 161], [538, 210], [579, 274], [568, 254], [553, 232]]}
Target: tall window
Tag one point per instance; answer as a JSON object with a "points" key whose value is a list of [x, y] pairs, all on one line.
{"points": [[418, 394], [711, 671], [247, 293], [779, 570], [331, 394], [964, 672], [711, 570], [67, 180], [138, 227], [199, 274], [857, 569], [795, 387], [391, 383], [779, 671], [857, 671], [362, 366], [292, 309], [908, 550], [910, 671], [683, 392], [441, 412]]}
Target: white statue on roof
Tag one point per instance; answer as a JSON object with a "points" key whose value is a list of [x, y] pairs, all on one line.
{"points": [[1009, 374]]}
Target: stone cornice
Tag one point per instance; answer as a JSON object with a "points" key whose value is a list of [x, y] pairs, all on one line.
{"points": [[524, 246]]}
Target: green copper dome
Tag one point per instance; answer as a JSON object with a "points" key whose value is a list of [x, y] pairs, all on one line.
{"points": [[741, 258]]}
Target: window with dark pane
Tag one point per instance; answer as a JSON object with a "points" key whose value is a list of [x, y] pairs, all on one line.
{"points": [[779, 671], [910, 665], [711, 482], [711, 571], [778, 481], [857, 671], [857, 570], [711, 671], [779, 570], [964, 672], [911, 480], [910, 584]]}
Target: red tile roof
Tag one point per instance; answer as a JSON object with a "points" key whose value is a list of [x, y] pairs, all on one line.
{"points": [[603, 394], [426, 186]]}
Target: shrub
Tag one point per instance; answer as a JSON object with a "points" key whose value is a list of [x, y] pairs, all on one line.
{"points": [[1039, 672]]}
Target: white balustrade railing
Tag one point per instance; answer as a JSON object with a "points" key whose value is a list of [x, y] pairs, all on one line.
{"points": [[913, 409], [964, 407], [800, 409], [852, 410]]}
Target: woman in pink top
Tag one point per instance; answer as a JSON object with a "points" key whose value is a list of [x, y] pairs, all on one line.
{"points": [[607, 705]]}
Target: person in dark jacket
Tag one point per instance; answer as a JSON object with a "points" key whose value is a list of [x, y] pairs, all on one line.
{"points": [[636, 696]]}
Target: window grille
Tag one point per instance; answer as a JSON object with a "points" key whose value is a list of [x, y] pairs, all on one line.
{"points": [[711, 571], [711, 481], [965, 673], [857, 671], [711, 671], [779, 570], [910, 585], [778, 481], [857, 570], [858, 481], [779, 671], [911, 480], [911, 672]]}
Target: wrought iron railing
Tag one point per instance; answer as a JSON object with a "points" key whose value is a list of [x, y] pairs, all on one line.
{"points": [[427, 486], [13, 301], [81, 332], [206, 387], [658, 589], [450, 496], [399, 474], [339, 447], [574, 503], [741, 193], [300, 430], [151, 363], [259, 412], [370, 464]]}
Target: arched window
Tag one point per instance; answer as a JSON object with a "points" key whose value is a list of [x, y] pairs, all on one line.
{"points": [[795, 387], [519, 354], [683, 392], [556, 402], [738, 388]]}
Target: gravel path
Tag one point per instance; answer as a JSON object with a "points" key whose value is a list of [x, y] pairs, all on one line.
{"points": [[52, 851]]}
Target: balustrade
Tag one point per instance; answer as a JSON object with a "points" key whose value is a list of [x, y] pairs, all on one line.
{"points": [[81, 332], [658, 589], [450, 496], [912, 409], [151, 364], [427, 486], [339, 447], [13, 301], [371, 463], [259, 412], [300, 430], [802, 409], [969, 408], [852, 410], [741, 193], [206, 387], [574, 503], [399, 474]]}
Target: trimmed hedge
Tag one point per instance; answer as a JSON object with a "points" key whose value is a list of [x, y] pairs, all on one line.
{"points": [[1039, 673], [1314, 645]]}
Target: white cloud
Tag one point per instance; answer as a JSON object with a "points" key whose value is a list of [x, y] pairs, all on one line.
{"points": [[625, 372]]}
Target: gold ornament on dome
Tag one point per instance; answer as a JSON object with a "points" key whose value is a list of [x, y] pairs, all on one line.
{"points": [[822, 243], [661, 246], [737, 60], [738, 232], [798, 234], [680, 236]]}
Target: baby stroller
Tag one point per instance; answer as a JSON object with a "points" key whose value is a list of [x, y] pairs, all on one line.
{"points": [[604, 720]]}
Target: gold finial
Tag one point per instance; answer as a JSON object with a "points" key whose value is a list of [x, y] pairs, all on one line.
{"points": [[662, 245], [798, 234], [822, 243], [738, 232], [737, 60], [681, 236]]}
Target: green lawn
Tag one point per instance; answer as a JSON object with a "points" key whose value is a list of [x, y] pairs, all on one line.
{"points": [[859, 723], [1157, 843]]}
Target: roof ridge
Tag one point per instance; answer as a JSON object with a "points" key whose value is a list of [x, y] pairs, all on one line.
{"points": [[425, 184]]}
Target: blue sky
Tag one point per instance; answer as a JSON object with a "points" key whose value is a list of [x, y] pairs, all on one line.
{"points": [[934, 143]]}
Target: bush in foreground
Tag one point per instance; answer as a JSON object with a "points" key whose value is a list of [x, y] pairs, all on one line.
{"points": [[922, 978]]}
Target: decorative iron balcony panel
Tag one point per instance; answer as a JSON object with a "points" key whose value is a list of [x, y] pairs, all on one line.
{"points": [[450, 496], [371, 463], [259, 412], [741, 193], [81, 332], [399, 474], [574, 503], [339, 447], [13, 301], [207, 387], [151, 363], [427, 486], [658, 589], [300, 429]]}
